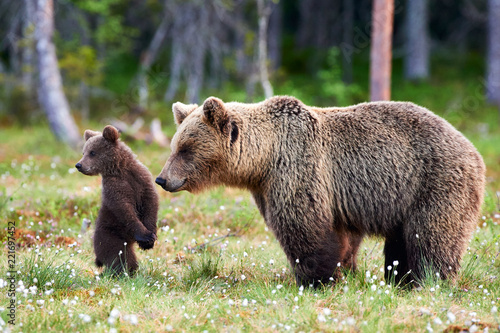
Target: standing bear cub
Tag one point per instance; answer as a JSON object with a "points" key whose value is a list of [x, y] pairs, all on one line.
{"points": [[323, 178], [129, 207]]}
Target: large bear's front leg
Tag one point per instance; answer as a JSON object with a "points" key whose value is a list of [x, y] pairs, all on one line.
{"points": [[315, 250], [316, 258]]}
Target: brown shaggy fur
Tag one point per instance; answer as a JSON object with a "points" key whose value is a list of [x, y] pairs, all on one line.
{"points": [[129, 200], [325, 177]]}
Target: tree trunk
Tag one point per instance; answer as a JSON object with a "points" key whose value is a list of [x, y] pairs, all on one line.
{"points": [[27, 51], [347, 39], [274, 33], [264, 10], [147, 59], [493, 65], [381, 50], [50, 92], [417, 40], [176, 64]]}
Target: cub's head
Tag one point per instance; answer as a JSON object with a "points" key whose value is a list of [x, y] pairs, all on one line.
{"points": [[205, 148], [101, 152]]}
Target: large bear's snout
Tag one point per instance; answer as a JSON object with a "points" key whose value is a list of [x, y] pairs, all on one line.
{"points": [[171, 185], [160, 181]]}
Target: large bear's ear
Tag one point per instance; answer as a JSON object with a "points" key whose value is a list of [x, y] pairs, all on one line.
{"points": [[215, 114], [181, 111], [110, 133], [89, 133]]}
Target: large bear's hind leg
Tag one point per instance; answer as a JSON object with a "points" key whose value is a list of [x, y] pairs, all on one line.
{"points": [[396, 258]]}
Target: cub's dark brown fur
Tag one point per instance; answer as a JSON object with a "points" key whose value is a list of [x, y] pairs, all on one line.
{"points": [[129, 207], [325, 177]]}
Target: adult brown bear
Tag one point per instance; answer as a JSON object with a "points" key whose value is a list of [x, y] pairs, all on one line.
{"points": [[324, 177]]}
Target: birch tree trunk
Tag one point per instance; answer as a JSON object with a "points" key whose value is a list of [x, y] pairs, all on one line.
{"points": [[381, 50], [493, 62], [417, 40], [50, 92], [264, 10]]}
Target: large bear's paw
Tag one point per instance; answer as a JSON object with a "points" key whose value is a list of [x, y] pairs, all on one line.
{"points": [[146, 241]]}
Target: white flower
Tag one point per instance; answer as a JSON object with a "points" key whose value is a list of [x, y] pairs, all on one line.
{"points": [[279, 286], [494, 309], [327, 311], [374, 287], [133, 319], [243, 277], [321, 318], [395, 262], [85, 318], [451, 317], [40, 302], [297, 260], [245, 254], [271, 262], [438, 321], [245, 302]]}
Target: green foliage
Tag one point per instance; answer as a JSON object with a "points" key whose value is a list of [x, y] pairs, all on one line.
{"points": [[332, 86], [82, 64]]}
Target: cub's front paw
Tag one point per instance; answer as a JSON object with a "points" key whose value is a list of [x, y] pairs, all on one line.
{"points": [[146, 241]]}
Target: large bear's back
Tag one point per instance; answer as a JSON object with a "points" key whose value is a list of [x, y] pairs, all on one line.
{"points": [[382, 157]]}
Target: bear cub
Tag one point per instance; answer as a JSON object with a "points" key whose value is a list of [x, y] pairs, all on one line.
{"points": [[129, 208]]}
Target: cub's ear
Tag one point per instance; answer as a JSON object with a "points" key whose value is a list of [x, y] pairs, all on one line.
{"points": [[215, 114], [89, 133], [181, 111], [110, 133]]}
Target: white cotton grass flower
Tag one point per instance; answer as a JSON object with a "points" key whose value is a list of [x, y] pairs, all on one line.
{"points": [[438, 321], [494, 309], [113, 315], [271, 262], [451, 317], [131, 318]]}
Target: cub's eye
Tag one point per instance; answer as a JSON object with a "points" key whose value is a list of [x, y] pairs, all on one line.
{"points": [[92, 153], [184, 151]]}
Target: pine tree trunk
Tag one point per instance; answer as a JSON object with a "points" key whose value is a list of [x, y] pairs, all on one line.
{"points": [[347, 39], [493, 65], [274, 34], [264, 11], [381, 50], [28, 51], [417, 40], [50, 92]]}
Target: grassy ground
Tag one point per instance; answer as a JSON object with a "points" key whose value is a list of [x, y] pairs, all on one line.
{"points": [[238, 281]]}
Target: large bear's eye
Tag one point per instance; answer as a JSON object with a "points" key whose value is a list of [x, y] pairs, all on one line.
{"points": [[92, 153]]}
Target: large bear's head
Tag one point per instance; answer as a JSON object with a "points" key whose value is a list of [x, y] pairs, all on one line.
{"points": [[205, 148], [101, 152]]}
